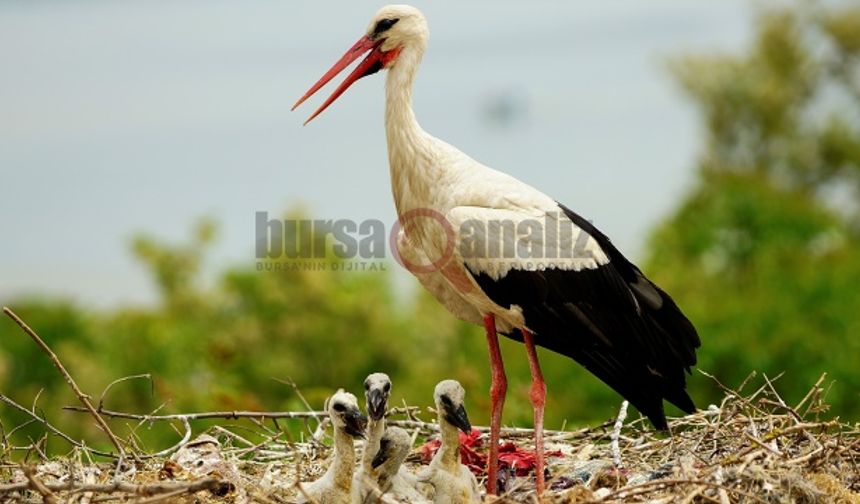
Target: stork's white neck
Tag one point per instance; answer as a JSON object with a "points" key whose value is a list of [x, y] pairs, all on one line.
{"points": [[399, 117], [407, 142]]}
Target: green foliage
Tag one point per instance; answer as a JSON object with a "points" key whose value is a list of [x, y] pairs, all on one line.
{"points": [[764, 254]]}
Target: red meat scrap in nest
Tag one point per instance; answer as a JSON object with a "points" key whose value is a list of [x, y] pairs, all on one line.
{"points": [[518, 460], [475, 461]]}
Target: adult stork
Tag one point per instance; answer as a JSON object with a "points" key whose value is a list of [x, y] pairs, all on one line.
{"points": [[577, 295]]}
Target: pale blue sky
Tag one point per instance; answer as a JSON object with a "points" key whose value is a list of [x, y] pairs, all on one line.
{"points": [[126, 117]]}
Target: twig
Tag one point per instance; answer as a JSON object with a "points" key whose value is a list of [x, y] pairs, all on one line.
{"points": [[756, 441], [718, 478], [48, 497], [51, 428], [233, 435], [292, 383], [17, 427], [133, 437], [164, 496], [646, 487], [745, 381], [120, 486], [37, 447], [408, 424], [692, 495], [409, 411], [811, 392], [320, 432], [798, 419], [616, 433], [59, 365], [258, 446], [185, 438], [298, 483], [120, 380], [261, 499], [507, 431], [259, 423], [36, 399], [207, 415]]}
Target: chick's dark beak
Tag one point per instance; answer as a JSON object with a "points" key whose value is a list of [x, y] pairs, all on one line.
{"points": [[355, 423], [376, 400], [458, 417], [381, 455]]}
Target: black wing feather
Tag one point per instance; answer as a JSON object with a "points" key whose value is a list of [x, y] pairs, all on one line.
{"points": [[612, 320]]}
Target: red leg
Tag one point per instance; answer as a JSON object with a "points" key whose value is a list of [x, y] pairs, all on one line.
{"points": [[537, 394], [498, 389]]}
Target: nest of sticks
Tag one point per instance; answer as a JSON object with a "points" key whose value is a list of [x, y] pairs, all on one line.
{"points": [[752, 447]]}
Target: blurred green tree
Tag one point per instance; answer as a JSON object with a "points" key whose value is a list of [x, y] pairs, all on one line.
{"points": [[764, 252]]}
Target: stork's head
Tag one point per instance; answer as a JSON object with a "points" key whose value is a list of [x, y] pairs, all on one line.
{"points": [[392, 29], [343, 411], [397, 26], [393, 449], [450, 397], [377, 388]]}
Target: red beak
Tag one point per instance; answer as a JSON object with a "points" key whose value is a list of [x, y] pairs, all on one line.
{"points": [[374, 62]]}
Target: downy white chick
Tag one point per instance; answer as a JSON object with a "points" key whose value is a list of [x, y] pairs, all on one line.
{"points": [[335, 486], [452, 482], [377, 389], [392, 479]]}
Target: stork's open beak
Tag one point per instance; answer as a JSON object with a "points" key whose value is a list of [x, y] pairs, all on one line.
{"points": [[374, 62], [376, 404], [458, 417]]}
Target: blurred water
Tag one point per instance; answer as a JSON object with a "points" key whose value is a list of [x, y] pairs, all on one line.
{"points": [[120, 117]]}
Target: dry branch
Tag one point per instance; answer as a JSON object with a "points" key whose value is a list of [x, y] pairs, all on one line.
{"points": [[50, 427], [33, 482], [120, 380], [631, 491], [85, 399], [616, 434], [264, 415], [207, 415], [116, 487]]}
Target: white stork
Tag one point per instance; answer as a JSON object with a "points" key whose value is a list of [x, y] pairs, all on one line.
{"points": [[577, 295]]}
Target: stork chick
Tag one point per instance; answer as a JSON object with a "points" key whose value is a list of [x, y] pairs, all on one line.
{"points": [[453, 482], [335, 486], [392, 479], [377, 389]]}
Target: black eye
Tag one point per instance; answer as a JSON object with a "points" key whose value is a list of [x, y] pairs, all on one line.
{"points": [[340, 408], [366, 385], [446, 400], [384, 25], [387, 387]]}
